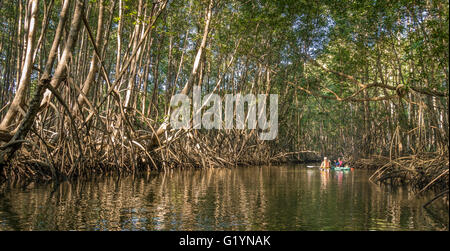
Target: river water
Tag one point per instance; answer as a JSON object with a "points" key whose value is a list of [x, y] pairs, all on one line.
{"points": [[246, 198]]}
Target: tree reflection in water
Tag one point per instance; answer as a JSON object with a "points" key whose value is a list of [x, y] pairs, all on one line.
{"points": [[248, 198]]}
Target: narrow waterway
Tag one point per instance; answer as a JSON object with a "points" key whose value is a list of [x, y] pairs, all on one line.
{"points": [[246, 198]]}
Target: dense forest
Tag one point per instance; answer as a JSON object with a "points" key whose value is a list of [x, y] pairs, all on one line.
{"points": [[85, 86]]}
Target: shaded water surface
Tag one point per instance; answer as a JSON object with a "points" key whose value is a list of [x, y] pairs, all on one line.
{"points": [[247, 198]]}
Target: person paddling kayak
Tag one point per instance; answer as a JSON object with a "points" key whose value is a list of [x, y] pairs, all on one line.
{"points": [[340, 163], [336, 163], [325, 163]]}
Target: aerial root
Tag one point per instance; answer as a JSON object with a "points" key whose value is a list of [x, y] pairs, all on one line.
{"points": [[423, 171]]}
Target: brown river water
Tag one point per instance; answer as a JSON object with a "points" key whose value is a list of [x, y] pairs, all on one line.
{"points": [[291, 197]]}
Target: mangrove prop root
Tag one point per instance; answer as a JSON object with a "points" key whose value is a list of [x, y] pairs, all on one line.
{"points": [[423, 171]]}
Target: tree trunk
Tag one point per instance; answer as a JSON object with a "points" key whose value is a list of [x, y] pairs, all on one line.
{"points": [[94, 61], [21, 92], [35, 102]]}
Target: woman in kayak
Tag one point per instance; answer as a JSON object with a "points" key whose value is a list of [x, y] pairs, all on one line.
{"points": [[340, 163]]}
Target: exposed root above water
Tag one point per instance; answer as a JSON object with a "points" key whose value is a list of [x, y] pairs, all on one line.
{"points": [[423, 171]]}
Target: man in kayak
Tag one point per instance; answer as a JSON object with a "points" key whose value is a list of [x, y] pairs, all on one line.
{"points": [[325, 163]]}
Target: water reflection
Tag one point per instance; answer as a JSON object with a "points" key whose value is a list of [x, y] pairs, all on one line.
{"points": [[324, 178], [254, 198]]}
